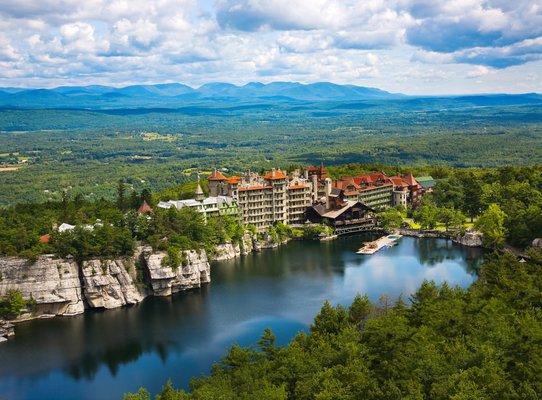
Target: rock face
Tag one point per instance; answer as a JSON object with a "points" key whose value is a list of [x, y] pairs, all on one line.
{"points": [[110, 283], [470, 239], [61, 287], [247, 244], [53, 283], [166, 280], [7, 330], [226, 251]]}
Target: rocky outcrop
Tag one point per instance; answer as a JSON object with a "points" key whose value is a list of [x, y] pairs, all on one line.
{"points": [[111, 283], [193, 271], [7, 330], [423, 233], [469, 238], [247, 244], [62, 287], [52, 282], [226, 251]]}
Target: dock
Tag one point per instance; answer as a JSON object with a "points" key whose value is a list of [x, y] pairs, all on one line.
{"points": [[372, 247]]}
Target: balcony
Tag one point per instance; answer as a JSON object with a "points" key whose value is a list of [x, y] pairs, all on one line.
{"points": [[356, 221]]}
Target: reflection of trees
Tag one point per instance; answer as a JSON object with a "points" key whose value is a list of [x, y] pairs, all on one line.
{"points": [[434, 251], [89, 363]]}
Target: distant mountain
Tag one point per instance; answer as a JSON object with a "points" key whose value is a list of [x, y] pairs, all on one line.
{"points": [[177, 95]]}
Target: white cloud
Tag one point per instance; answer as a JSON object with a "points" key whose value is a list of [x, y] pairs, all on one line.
{"points": [[392, 43]]}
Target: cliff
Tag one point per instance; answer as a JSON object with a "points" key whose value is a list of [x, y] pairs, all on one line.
{"points": [[62, 287], [192, 272], [52, 282], [111, 283]]}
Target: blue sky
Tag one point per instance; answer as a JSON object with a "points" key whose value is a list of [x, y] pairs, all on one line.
{"points": [[409, 46]]}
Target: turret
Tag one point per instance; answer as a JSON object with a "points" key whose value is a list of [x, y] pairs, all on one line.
{"points": [[314, 188], [328, 191], [199, 192]]}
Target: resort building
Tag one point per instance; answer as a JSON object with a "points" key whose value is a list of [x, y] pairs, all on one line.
{"points": [[209, 207], [342, 214], [265, 200], [379, 191]]}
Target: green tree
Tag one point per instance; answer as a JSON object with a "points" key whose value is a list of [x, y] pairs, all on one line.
{"points": [[121, 195], [451, 218], [427, 216], [11, 304], [390, 219], [491, 224]]}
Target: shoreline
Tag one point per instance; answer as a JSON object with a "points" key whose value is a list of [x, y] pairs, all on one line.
{"points": [[67, 289]]}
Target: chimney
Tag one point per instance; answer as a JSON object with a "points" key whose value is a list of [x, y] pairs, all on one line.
{"points": [[328, 192], [306, 173]]}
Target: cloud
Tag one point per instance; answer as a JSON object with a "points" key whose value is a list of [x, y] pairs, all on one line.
{"points": [[373, 41], [252, 15]]}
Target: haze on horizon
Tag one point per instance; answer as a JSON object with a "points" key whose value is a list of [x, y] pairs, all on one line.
{"points": [[407, 46]]}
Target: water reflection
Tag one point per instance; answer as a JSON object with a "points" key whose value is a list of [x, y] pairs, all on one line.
{"points": [[104, 354]]}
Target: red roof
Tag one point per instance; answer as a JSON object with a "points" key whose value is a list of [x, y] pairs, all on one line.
{"points": [[275, 174], [398, 181], [144, 208], [234, 180], [409, 178], [216, 176], [45, 238]]}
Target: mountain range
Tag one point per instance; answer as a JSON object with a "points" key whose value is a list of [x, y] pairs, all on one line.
{"points": [[177, 94]]}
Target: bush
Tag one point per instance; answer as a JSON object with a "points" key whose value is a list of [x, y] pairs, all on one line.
{"points": [[12, 304]]}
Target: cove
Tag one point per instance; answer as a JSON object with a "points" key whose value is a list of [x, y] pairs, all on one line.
{"points": [[103, 354]]}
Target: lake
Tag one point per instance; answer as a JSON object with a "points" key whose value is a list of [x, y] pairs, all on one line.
{"points": [[103, 354]]}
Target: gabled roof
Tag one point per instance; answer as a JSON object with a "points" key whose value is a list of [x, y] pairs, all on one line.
{"points": [[234, 180], [45, 238], [65, 227], [426, 181], [333, 214], [398, 181], [144, 208], [409, 178], [275, 174], [217, 176]]}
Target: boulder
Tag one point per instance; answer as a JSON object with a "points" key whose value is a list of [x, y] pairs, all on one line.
{"points": [[52, 282], [110, 283], [469, 238], [165, 280], [7, 330]]}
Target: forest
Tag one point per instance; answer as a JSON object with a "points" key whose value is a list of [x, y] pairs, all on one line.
{"points": [[46, 152]]}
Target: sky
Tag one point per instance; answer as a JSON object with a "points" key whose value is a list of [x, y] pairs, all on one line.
{"points": [[408, 46]]}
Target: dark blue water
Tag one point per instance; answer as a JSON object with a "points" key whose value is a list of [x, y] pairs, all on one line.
{"points": [[101, 355]]}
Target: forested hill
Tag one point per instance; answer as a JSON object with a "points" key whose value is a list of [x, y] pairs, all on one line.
{"points": [[175, 95]]}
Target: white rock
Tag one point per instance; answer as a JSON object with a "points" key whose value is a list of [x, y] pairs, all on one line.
{"points": [[166, 280], [108, 284], [53, 283]]}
